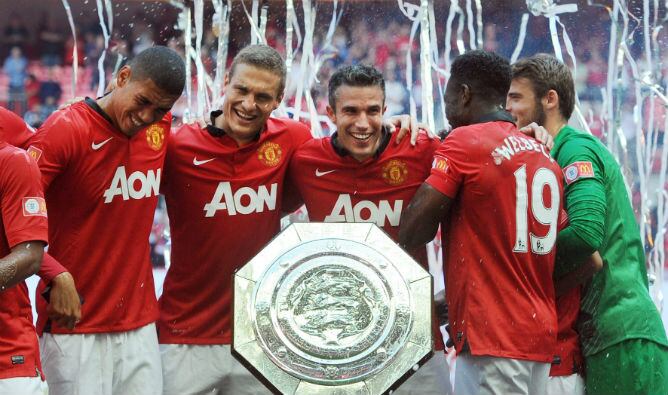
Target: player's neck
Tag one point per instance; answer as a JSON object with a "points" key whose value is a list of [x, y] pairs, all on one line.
{"points": [[241, 141], [106, 104], [554, 124]]}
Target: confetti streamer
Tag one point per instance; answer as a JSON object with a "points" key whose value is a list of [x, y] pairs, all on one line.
{"points": [[426, 66], [520, 39], [201, 72], [100, 62], [75, 51], [256, 36], [469, 24], [221, 24]]}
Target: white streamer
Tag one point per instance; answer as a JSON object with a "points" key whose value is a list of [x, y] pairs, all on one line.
{"points": [[469, 24], [201, 73], [256, 36], [75, 51], [100, 62], [425, 67], [221, 21], [520, 39]]}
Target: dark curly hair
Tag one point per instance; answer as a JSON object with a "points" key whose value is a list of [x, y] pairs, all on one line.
{"points": [[161, 65], [545, 73], [487, 73], [356, 75]]}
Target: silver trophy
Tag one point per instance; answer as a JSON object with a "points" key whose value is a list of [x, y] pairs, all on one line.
{"points": [[332, 309]]}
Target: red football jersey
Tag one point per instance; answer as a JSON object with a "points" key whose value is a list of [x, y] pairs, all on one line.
{"points": [[102, 188], [568, 341], [499, 244], [14, 130], [22, 218], [224, 205], [337, 188]]}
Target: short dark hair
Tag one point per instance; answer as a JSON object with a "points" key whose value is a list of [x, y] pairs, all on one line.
{"points": [[263, 57], [355, 75], [161, 65], [545, 72], [486, 73]]}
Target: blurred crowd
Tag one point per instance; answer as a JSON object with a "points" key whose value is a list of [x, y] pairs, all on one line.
{"points": [[37, 62]]}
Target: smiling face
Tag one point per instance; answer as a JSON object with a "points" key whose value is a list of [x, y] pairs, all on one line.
{"points": [[359, 119], [136, 104], [522, 103], [251, 94]]}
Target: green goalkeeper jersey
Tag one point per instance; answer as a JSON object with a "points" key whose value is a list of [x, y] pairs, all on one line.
{"points": [[616, 305]]}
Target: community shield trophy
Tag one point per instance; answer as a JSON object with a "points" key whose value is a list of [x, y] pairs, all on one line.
{"points": [[332, 309]]}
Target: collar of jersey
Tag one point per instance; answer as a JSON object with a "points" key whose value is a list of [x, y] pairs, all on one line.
{"points": [[500, 115], [342, 152], [220, 132], [96, 107]]}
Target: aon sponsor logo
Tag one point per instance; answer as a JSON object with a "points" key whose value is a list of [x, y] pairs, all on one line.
{"points": [[366, 211], [244, 200], [138, 185]]}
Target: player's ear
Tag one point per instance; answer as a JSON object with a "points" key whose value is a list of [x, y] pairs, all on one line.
{"points": [[123, 76], [551, 100], [465, 94], [226, 81], [331, 114]]}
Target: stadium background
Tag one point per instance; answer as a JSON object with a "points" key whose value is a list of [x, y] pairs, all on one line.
{"points": [[617, 49]]}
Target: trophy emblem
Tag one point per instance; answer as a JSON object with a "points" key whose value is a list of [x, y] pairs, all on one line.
{"points": [[332, 309]]}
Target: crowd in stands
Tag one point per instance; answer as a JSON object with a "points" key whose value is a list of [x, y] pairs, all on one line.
{"points": [[37, 63]]}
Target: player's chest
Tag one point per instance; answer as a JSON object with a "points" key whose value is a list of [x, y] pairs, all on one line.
{"points": [[114, 168], [233, 182]]}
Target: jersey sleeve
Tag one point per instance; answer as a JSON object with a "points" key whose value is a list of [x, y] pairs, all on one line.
{"points": [[54, 146], [584, 192], [23, 206], [455, 158], [50, 268], [14, 130]]}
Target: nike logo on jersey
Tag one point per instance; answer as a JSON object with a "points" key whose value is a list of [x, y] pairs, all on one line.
{"points": [[97, 146], [319, 173], [201, 162]]}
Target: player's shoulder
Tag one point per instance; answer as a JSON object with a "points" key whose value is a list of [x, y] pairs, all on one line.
{"points": [[185, 132], [577, 140], [13, 157], [9, 119], [578, 145], [72, 117], [286, 128], [314, 148]]}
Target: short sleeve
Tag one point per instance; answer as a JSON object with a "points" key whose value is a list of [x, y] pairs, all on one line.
{"points": [[452, 162], [14, 130], [54, 146], [23, 206]]}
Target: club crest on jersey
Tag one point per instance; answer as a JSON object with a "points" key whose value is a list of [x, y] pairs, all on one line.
{"points": [[395, 172], [35, 152], [155, 137], [577, 170], [269, 154], [34, 206]]}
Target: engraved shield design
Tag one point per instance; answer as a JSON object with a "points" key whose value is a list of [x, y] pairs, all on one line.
{"points": [[332, 309]]}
